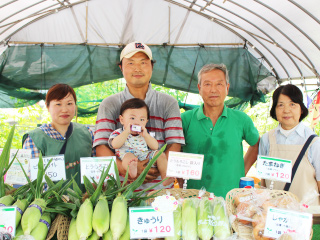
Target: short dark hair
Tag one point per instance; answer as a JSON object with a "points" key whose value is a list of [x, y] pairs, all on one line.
{"points": [[294, 93], [134, 103], [59, 91]]}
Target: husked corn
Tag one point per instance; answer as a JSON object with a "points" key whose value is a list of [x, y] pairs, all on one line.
{"points": [[72, 234], [119, 215], [107, 235], [126, 234], [101, 216], [84, 220]]}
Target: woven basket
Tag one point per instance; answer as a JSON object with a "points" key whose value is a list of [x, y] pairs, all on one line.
{"points": [[178, 193], [60, 226], [244, 231]]}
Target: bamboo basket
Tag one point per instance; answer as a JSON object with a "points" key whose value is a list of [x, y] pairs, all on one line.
{"points": [[178, 193], [60, 226], [245, 231]]}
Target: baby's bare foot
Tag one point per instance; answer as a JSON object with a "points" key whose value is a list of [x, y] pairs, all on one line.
{"points": [[133, 170]]}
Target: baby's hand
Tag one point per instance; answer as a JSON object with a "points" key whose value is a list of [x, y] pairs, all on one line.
{"points": [[127, 128], [144, 131]]}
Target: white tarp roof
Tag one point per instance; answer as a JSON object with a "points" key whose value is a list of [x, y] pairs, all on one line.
{"points": [[284, 34]]}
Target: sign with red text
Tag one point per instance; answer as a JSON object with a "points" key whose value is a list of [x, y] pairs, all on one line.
{"points": [[56, 170], [280, 221], [274, 169], [92, 167], [185, 165], [146, 222], [8, 220]]}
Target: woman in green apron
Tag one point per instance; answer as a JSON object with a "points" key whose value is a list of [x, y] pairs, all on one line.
{"points": [[61, 136]]}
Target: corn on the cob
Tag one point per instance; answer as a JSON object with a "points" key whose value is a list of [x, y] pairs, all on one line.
{"points": [[126, 234], [19, 231], [221, 222], [21, 207], [32, 215], [101, 216], [94, 236], [189, 220], [84, 220], [41, 230], [72, 234], [107, 235], [204, 219], [6, 201], [177, 224], [119, 215]]}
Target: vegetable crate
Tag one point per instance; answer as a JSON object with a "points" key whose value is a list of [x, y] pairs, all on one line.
{"points": [[245, 231]]}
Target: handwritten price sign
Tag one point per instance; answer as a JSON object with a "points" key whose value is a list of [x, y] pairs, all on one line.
{"points": [[274, 169], [92, 167], [281, 221], [185, 165], [14, 173], [8, 220], [145, 222], [56, 171]]}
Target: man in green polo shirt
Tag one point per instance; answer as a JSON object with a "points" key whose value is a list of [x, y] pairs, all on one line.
{"points": [[217, 132]]}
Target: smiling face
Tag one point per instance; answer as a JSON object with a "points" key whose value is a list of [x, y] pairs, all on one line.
{"points": [[136, 116], [213, 88], [62, 111], [288, 112], [137, 70]]}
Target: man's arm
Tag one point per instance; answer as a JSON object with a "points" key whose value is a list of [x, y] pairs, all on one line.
{"points": [[251, 156], [176, 147]]}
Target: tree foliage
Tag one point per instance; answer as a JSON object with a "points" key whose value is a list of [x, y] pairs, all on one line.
{"points": [[30, 117]]}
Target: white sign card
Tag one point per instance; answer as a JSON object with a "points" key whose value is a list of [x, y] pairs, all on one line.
{"points": [[146, 222], [280, 221], [56, 170], [274, 168], [8, 220], [15, 174], [185, 165], [92, 167]]}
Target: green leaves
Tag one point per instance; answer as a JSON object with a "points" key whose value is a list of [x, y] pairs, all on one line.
{"points": [[4, 160]]}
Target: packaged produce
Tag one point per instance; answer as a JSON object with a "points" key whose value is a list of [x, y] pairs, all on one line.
{"points": [[222, 229], [205, 218], [189, 219], [177, 221]]}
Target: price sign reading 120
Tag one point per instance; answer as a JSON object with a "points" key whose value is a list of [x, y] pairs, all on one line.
{"points": [[145, 222], [274, 169], [8, 220]]}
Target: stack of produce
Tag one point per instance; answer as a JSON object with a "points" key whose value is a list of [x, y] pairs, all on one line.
{"points": [[201, 218], [251, 206], [36, 208], [91, 217]]}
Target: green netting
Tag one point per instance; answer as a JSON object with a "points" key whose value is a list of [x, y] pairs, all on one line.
{"points": [[26, 69]]}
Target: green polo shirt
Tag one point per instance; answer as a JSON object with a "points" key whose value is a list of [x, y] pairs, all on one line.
{"points": [[221, 145]]}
